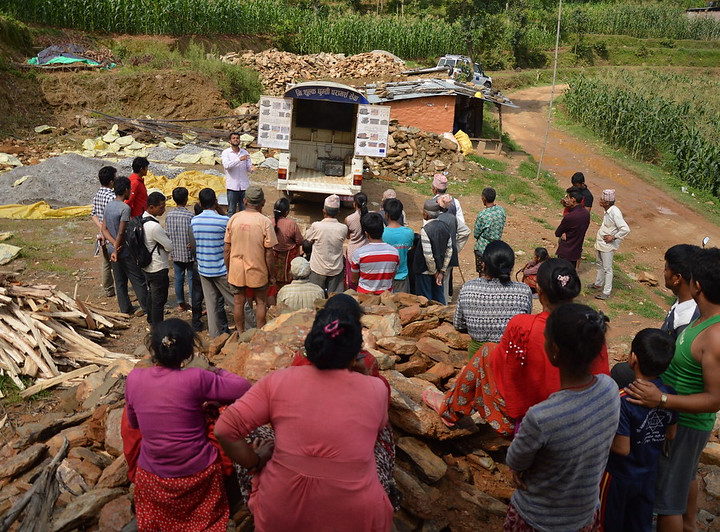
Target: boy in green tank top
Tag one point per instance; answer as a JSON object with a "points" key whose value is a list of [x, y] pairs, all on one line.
{"points": [[695, 373]]}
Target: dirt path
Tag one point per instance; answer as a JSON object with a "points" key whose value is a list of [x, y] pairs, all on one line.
{"points": [[657, 220]]}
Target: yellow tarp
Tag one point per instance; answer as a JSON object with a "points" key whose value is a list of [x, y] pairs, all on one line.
{"points": [[41, 211], [193, 180], [464, 141]]}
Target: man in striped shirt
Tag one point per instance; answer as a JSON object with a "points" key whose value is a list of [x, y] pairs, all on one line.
{"points": [[373, 265], [208, 229]]}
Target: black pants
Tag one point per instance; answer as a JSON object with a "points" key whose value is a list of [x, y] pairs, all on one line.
{"points": [[197, 299], [158, 285], [124, 270]]}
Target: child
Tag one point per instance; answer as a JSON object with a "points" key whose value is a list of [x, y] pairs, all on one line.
{"points": [[559, 453], [628, 486], [529, 271]]}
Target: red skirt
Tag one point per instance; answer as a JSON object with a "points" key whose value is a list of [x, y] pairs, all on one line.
{"points": [[184, 504]]}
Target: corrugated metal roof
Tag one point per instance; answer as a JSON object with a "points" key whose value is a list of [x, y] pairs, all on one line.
{"points": [[429, 87]]}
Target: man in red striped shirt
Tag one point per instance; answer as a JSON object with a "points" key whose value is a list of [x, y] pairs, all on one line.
{"points": [[373, 265]]}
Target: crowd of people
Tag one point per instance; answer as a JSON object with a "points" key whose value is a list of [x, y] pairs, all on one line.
{"points": [[591, 448]]}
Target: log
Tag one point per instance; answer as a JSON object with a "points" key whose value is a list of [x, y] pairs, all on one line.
{"points": [[41, 344], [63, 377], [39, 499]]}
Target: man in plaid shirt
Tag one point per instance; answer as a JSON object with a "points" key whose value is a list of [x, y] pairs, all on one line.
{"points": [[102, 197], [183, 256], [489, 224]]}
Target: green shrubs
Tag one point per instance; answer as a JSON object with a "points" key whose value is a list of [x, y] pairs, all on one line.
{"points": [[14, 35]]}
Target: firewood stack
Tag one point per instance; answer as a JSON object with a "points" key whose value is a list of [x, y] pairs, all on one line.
{"points": [[44, 333], [277, 68]]}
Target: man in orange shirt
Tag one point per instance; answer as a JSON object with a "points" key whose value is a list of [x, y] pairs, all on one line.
{"points": [[138, 192], [249, 239]]}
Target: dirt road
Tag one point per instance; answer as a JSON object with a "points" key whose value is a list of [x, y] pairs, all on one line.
{"points": [[657, 220]]}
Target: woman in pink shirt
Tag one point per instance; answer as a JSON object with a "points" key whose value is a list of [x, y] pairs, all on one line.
{"points": [[321, 475], [179, 482]]}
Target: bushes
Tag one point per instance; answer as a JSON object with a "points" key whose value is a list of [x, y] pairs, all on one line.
{"points": [[663, 118], [14, 35], [237, 84]]}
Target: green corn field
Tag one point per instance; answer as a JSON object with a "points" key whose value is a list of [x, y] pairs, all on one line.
{"points": [[669, 119]]}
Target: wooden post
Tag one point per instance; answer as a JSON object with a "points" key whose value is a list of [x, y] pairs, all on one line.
{"points": [[499, 108]]}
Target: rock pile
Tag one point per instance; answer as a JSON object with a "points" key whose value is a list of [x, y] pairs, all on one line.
{"points": [[413, 152], [446, 476], [277, 68]]}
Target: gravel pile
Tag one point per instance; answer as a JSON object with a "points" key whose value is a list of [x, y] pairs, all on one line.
{"points": [[66, 180]]}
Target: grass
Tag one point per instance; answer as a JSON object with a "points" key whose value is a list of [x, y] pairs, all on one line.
{"points": [[543, 222], [628, 297], [237, 83], [12, 392], [546, 181], [492, 164], [509, 187]]}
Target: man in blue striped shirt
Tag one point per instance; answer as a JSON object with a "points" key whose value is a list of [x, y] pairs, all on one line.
{"points": [[208, 229]]}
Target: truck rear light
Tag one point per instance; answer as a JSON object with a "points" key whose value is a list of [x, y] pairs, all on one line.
{"points": [[357, 180], [282, 173]]}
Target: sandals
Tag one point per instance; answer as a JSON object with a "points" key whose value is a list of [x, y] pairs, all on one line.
{"points": [[435, 400]]}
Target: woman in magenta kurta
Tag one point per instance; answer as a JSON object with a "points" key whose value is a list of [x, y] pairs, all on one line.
{"points": [[322, 473], [179, 482]]}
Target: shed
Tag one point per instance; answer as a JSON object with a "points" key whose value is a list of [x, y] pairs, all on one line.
{"points": [[437, 105]]}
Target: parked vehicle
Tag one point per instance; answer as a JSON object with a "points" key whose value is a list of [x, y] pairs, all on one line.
{"points": [[324, 130], [458, 67]]}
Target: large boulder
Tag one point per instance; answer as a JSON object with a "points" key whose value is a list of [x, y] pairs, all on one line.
{"points": [[272, 347], [409, 413]]}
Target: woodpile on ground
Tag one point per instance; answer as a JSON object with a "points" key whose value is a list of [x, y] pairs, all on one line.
{"points": [[45, 333], [277, 69], [65, 470]]}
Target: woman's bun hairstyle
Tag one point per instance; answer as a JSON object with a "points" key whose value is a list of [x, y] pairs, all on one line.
{"points": [[171, 342], [558, 280], [334, 340], [498, 261], [578, 331]]}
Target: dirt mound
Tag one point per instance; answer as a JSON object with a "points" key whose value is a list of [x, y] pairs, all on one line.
{"points": [[278, 68], [160, 94]]}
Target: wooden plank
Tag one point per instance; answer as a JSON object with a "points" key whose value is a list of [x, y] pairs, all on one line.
{"points": [[63, 377], [16, 341], [41, 344], [12, 370]]}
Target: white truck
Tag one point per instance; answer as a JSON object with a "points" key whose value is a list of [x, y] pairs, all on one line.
{"points": [[324, 130], [459, 67]]}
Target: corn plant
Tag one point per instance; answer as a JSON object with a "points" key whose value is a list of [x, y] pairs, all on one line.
{"points": [[658, 117]]}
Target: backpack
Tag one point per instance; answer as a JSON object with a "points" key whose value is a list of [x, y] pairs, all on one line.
{"points": [[135, 241]]}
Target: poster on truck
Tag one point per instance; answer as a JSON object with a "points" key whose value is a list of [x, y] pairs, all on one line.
{"points": [[275, 122], [372, 130]]}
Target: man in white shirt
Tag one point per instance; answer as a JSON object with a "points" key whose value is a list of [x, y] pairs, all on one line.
{"points": [[159, 245], [439, 187], [327, 237], [237, 165], [612, 231], [677, 278]]}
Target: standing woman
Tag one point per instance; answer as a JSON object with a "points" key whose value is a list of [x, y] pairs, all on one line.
{"points": [[179, 481], [289, 244], [322, 473], [356, 236]]}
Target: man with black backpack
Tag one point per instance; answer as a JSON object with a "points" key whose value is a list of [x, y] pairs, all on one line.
{"points": [[156, 266], [115, 220]]}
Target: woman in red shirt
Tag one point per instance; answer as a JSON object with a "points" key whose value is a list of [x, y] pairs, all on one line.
{"points": [[501, 385]]}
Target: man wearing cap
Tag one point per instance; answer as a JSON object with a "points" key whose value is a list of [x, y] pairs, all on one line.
{"points": [[612, 231], [436, 244], [300, 293], [327, 236], [489, 225], [249, 239], [439, 187], [388, 195], [458, 233], [237, 164]]}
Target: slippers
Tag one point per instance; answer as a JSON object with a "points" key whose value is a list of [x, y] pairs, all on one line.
{"points": [[435, 400]]}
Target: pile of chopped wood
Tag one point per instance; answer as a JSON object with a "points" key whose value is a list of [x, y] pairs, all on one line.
{"points": [[277, 68], [45, 333]]}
